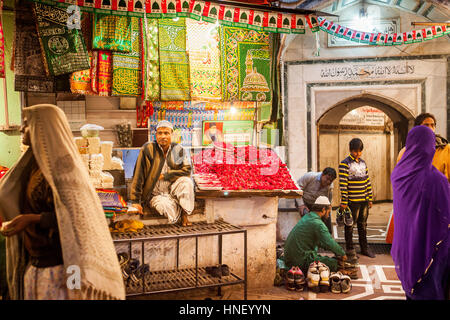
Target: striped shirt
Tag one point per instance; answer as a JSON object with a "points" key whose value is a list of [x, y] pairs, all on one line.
{"points": [[162, 186], [354, 181]]}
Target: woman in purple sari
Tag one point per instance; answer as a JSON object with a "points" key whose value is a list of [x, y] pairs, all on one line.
{"points": [[420, 248]]}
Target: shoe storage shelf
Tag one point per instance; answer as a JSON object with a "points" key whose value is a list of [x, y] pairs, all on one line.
{"points": [[195, 277]]}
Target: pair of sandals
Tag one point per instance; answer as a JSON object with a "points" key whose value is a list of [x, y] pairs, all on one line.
{"points": [[295, 279], [340, 283], [344, 217], [218, 271], [318, 277], [132, 270]]}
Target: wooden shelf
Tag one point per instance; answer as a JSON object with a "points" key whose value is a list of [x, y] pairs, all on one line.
{"points": [[174, 280]]}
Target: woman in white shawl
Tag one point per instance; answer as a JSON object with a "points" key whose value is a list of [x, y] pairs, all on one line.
{"points": [[58, 242]]}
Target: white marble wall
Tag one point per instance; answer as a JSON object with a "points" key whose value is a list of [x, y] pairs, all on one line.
{"points": [[402, 91]]}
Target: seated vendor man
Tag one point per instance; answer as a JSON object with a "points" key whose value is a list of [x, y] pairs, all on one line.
{"points": [[308, 234], [314, 185], [161, 177]]}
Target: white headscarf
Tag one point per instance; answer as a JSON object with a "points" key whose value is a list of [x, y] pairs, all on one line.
{"points": [[85, 238]]}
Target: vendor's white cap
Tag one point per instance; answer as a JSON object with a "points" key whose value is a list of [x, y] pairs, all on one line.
{"points": [[165, 124], [322, 200]]}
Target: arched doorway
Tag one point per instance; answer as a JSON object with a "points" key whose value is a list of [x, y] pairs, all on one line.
{"points": [[382, 139]]}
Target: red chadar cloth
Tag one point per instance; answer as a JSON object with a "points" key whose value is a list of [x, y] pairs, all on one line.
{"points": [[2, 173], [2, 49]]}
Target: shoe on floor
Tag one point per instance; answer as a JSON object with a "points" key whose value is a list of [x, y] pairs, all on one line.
{"points": [[352, 273], [350, 252], [335, 280], [368, 253], [225, 270], [324, 271], [290, 276], [299, 279], [313, 276], [346, 284]]}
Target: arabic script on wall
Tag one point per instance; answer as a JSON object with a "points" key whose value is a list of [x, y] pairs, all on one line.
{"points": [[366, 71]]}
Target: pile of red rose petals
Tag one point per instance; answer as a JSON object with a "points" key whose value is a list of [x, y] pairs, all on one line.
{"points": [[241, 168]]}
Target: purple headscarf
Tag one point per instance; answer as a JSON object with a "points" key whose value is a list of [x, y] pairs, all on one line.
{"points": [[421, 208]]}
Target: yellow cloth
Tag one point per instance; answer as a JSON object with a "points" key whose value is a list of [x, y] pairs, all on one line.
{"points": [[127, 226], [441, 160]]}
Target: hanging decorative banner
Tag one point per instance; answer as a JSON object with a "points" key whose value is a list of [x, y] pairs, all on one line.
{"points": [[150, 60], [2, 52], [228, 15], [174, 61], [297, 24], [204, 60], [245, 65], [63, 49], [313, 22], [284, 23], [126, 66], [380, 39], [104, 73], [211, 12], [196, 9]]}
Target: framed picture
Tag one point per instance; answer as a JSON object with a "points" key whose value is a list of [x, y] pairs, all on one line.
{"points": [[379, 26], [239, 132]]}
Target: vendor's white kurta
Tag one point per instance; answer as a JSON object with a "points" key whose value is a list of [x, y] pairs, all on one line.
{"points": [[170, 198]]}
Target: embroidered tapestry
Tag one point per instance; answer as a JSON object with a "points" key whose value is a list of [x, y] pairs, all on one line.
{"points": [[29, 71], [245, 65], [174, 62], [64, 50], [104, 73], [127, 66], [112, 33], [80, 81], [150, 61], [86, 29], [2, 52], [94, 71], [204, 59]]}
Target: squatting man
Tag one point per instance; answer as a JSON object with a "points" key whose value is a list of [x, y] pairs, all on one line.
{"points": [[161, 178]]}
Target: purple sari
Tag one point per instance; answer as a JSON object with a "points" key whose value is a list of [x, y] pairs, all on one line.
{"points": [[420, 248]]}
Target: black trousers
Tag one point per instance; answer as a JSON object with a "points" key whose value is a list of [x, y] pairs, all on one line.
{"points": [[360, 213]]}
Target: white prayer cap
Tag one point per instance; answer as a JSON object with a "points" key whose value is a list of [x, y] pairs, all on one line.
{"points": [[165, 124], [322, 200]]}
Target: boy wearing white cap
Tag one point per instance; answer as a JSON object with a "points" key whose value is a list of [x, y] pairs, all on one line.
{"points": [[161, 177], [308, 234]]}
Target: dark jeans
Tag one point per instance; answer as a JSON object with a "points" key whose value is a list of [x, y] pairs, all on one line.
{"points": [[360, 212]]}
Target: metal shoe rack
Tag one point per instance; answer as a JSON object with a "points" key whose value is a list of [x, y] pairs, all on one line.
{"points": [[182, 279]]}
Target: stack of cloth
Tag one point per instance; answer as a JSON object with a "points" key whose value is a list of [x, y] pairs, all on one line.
{"points": [[113, 204]]}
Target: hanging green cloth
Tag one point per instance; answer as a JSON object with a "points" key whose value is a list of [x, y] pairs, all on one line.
{"points": [[174, 61], [245, 65], [112, 33], [127, 66], [64, 50], [150, 60]]}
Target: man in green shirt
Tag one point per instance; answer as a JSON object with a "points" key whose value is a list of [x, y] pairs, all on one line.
{"points": [[308, 234]]}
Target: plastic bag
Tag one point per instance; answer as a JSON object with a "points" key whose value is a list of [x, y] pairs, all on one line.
{"points": [[90, 130]]}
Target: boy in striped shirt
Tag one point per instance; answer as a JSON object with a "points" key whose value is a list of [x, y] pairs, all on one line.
{"points": [[356, 194]]}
